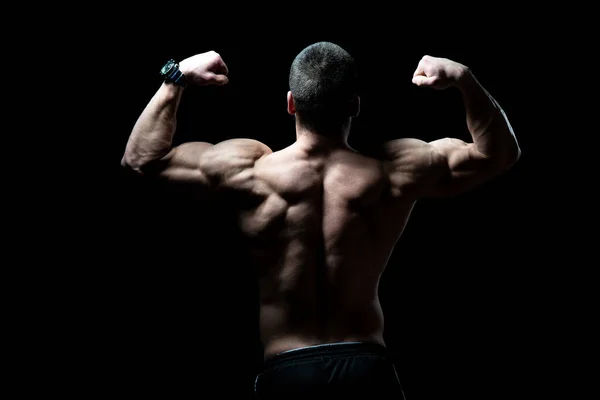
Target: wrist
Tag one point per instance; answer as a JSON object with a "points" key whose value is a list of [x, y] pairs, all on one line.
{"points": [[184, 67], [464, 79], [172, 73], [171, 89]]}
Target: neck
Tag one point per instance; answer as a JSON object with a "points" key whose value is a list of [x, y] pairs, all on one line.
{"points": [[310, 138]]}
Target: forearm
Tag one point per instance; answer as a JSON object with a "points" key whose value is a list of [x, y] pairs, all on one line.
{"points": [[152, 134], [487, 123]]}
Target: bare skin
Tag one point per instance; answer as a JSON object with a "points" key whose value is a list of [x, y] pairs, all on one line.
{"points": [[319, 219]]}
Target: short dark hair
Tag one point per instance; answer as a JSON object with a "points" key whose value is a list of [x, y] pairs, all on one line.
{"points": [[323, 80]]}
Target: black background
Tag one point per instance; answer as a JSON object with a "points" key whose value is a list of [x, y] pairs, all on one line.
{"points": [[478, 294]]}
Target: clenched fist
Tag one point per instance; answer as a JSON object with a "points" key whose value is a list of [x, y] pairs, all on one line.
{"points": [[205, 69], [438, 73]]}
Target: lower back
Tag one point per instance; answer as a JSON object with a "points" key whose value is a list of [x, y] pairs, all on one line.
{"points": [[281, 331], [320, 305]]}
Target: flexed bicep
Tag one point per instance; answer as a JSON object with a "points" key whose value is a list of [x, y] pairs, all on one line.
{"points": [[230, 163], [494, 148], [183, 164], [442, 168], [227, 164], [414, 167], [466, 167]]}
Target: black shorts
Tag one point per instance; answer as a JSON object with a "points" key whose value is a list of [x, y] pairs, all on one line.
{"points": [[353, 369]]}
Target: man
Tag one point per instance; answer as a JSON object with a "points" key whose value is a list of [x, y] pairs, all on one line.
{"points": [[320, 218]]}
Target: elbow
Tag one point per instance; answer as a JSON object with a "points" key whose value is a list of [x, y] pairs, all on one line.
{"points": [[509, 157], [132, 163], [513, 150], [513, 155], [518, 155], [142, 165], [504, 159]]}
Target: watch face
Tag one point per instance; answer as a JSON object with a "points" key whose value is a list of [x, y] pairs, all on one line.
{"points": [[167, 67]]}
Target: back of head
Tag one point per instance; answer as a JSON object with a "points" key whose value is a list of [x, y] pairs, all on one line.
{"points": [[324, 83]]}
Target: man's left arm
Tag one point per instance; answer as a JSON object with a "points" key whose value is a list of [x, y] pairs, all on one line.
{"points": [[149, 148]]}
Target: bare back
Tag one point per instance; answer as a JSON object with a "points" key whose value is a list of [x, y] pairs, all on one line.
{"points": [[320, 224], [321, 230]]}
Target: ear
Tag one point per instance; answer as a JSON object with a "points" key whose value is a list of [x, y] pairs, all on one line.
{"points": [[355, 106], [291, 107]]}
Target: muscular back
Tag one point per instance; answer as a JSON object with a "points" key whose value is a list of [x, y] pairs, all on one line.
{"points": [[320, 221], [320, 226]]}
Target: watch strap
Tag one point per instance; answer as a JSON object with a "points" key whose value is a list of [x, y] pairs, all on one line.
{"points": [[171, 73], [177, 77]]}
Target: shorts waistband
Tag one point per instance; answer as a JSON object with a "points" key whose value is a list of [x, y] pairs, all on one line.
{"points": [[327, 350]]}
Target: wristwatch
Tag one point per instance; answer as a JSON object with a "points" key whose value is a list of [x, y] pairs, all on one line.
{"points": [[170, 71]]}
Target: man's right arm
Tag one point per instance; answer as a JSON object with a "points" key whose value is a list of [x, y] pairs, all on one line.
{"points": [[450, 166]]}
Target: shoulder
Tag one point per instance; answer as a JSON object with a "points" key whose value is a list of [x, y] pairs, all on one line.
{"points": [[234, 152], [412, 153], [413, 166], [233, 160], [242, 147]]}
